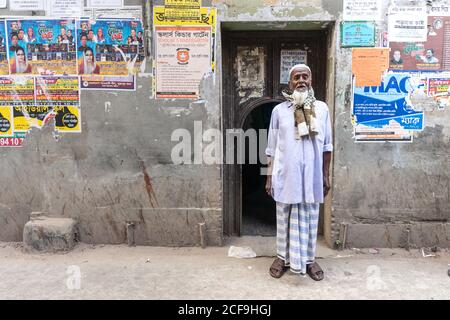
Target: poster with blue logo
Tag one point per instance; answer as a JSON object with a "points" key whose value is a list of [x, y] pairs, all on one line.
{"points": [[113, 47], [4, 66], [42, 47], [387, 105]]}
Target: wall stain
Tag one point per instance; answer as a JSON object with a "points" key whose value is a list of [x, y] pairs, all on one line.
{"points": [[148, 185]]}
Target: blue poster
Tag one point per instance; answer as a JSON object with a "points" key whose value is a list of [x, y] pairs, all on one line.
{"points": [[41, 47], [110, 47], [380, 107], [357, 34], [4, 66]]}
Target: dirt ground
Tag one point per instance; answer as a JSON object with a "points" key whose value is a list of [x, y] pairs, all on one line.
{"points": [[122, 272]]}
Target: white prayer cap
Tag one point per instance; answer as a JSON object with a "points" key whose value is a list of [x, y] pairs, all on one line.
{"points": [[299, 66]]}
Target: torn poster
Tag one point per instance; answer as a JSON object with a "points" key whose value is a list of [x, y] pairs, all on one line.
{"points": [[183, 57], [17, 91], [110, 47], [407, 24], [42, 47], [430, 55], [57, 91], [27, 117], [387, 105], [439, 90]]}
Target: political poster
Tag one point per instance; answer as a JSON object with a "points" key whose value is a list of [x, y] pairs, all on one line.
{"points": [[57, 91], [42, 47], [430, 55], [110, 47], [439, 90], [67, 119], [407, 23], [4, 65], [27, 117], [16, 91], [387, 105]]}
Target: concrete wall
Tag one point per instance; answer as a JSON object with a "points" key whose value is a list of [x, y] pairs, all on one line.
{"points": [[119, 168]]}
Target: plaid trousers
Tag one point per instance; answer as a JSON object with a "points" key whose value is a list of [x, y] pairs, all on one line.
{"points": [[297, 234]]}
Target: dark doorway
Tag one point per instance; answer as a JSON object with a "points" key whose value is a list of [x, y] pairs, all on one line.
{"points": [[254, 68], [258, 207]]}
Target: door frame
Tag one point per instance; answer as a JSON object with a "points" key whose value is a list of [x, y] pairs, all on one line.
{"points": [[233, 118]]}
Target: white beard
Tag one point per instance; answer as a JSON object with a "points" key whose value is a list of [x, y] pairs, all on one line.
{"points": [[300, 97]]}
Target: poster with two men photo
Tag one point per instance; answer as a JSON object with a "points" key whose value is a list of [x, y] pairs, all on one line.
{"points": [[110, 47], [41, 47]]}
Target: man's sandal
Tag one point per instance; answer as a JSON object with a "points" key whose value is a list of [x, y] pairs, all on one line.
{"points": [[277, 269], [315, 271]]}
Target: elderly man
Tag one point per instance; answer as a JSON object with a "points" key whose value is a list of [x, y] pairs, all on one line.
{"points": [[299, 155]]}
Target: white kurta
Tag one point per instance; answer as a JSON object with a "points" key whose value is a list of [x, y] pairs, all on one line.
{"points": [[297, 175]]}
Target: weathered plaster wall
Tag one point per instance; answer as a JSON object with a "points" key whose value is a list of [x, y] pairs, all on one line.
{"points": [[118, 170], [390, 194]]}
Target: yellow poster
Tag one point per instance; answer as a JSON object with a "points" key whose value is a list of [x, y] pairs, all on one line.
{"points": [[182, 9], [67, 119], [27, 117], [208, 17], [6, 122]]}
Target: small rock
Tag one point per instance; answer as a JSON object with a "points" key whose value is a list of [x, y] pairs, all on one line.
{"points": [[148, 260], [374, 251]]}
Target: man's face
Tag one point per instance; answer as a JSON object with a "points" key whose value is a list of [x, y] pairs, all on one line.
{"points": [[21, 34], [91, 34], [140, 34], [69, 33], [30, 32], [429, 54], [100, 32], [397, 55], [83, 41], [133, 33], [63, 32], [300, 80], [14, 40]]}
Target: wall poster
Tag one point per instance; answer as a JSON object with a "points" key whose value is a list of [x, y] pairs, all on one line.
{"points": [[183, 56], [42, 47], [110, 47]]}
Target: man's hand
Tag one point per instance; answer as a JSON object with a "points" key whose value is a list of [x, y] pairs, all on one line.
{"points": [[326, 185], [269, 189]]}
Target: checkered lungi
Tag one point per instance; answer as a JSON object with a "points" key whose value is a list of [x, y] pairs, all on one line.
{"points": [[297, 234]]}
